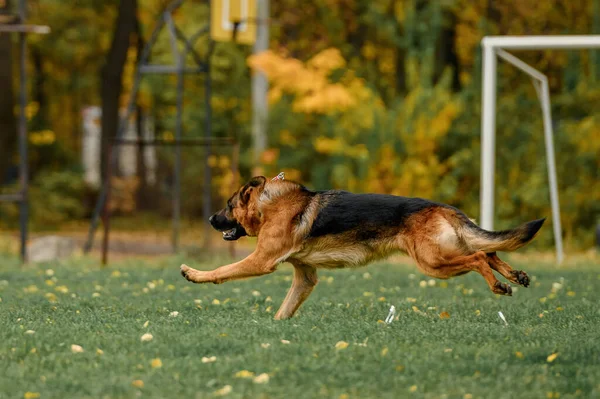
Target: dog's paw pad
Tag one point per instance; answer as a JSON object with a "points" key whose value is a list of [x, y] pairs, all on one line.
{"points": [[520, 277], [502, 288]]}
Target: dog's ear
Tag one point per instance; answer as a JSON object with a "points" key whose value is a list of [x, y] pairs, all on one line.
{"points": [[257, 183]]}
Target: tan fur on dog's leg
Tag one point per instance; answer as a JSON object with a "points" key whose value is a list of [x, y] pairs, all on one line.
{"points": [[514, 276], [477, 262], [253, 265], [305, 279], [270, 250]]}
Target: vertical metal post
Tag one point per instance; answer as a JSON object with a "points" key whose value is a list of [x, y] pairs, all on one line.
{"points": [[260, 88], [549, 139], [180, 61], [206, 200], [177, 169], [23, 148], [488, 136]]}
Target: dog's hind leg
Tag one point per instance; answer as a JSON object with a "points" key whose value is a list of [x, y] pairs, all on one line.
{"points": [[514, 276], [305, 279], [477, 262]]}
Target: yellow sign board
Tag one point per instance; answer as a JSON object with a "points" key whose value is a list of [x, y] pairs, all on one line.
{"points": [[233, 20]]}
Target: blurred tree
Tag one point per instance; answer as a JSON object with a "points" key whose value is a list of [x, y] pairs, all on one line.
{"points": [[8, 124], [112, 73]]}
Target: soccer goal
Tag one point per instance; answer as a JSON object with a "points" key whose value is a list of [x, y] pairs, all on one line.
{"points": [[494, 47]]}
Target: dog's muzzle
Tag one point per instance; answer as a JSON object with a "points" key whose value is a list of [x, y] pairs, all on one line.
{"points": [[231, 229]]}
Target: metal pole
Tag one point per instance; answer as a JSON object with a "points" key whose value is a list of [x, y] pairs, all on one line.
{"points": [[488, 136], [260, 88], [177, 169], [180, 63], [23, 148], [206, 201], [549, 139], [540, 82]]}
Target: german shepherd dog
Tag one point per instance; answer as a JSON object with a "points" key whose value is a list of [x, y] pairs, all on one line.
{"points": [[337, 229]]}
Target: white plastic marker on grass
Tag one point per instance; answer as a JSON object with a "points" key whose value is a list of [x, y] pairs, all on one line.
{"points": [[502, 317], [390, 316]]}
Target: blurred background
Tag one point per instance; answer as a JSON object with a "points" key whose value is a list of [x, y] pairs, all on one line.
{"points": [[364, 95]]}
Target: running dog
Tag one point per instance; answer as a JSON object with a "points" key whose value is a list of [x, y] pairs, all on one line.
{"points": [[337, 229]]}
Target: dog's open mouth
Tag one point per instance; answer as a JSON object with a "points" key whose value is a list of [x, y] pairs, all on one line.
{"points": [[230, 235], [234, 234]]}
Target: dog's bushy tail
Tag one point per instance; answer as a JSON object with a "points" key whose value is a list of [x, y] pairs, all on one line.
{"points": [[479, 239]]}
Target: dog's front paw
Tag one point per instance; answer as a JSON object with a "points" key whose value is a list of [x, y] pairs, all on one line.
{"points": [[197, 276], [187, 272]]}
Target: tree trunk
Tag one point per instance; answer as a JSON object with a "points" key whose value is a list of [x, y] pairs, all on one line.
{"points": [[39, 94], [446, 51], [112, 74], [8, 122]]}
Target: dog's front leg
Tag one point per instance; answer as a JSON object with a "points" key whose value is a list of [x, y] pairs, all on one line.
{"points": [[253, 265], [270, 251], [305, 279]]}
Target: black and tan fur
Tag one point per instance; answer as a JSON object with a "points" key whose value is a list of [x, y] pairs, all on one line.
{"points": [[337, 229]]}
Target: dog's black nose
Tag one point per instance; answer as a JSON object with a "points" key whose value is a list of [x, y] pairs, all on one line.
{"points": [[211, 219]]}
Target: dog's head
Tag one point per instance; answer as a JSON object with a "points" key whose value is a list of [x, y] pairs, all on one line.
{"points": [[241, 216]]}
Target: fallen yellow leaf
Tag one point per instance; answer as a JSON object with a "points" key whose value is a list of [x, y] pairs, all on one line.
{"points": [[31, 395], [413, 388], [146, 337], [138, 383], [444, 315], [552, 357], [244, 374], [384, 351], [224, 391], [261, 378], [519, 355], [156, 363], [341, 345]]}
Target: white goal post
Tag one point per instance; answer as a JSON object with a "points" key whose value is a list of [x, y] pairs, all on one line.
{"points": [[496, 46]]}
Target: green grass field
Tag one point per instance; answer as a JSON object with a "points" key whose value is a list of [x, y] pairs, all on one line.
{"points": [[224, 338]]}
